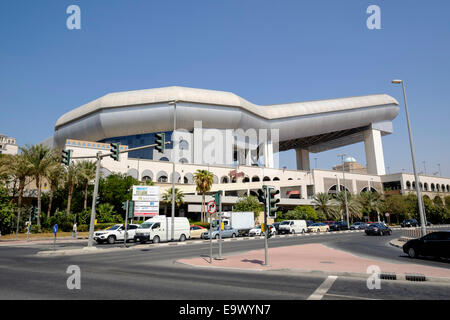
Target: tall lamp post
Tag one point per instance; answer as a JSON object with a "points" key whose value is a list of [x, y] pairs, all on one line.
{"points": [[345, 189], [172, 222], [416, 176]]}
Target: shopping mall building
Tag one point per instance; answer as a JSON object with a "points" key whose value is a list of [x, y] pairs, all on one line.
{"points": [[238, 142]]}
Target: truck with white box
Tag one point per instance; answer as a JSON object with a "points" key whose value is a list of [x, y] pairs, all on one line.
{"points": [[159, 228], [241, 221]]}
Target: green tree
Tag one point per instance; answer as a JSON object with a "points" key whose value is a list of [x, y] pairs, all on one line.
{"points": [[40, 158], [370, 204], [72, 179], [203, 179], [397, 207], [354, 208], [116, 189], [324, 206], [86, 172], [7, 210], [106, 213], [248, 204], [55, 177], [299, 213], [19, 168], [167, 197]]}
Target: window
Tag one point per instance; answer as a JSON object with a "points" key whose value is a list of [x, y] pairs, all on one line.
{"points": [[156, 225]]}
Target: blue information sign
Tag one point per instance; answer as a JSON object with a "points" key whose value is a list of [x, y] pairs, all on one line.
{"points": [[55, 229]]}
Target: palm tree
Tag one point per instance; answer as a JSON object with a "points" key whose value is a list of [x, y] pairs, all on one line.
{"points": [[55, 177], [324, 205], [19, 168], [354, 207], [370, 202], [167, 197], [204, 180], [40, 158], [86, 174], [72, 179]]}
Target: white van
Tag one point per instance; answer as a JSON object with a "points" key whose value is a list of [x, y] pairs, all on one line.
{"points": [[158, 228], [293, 226]]}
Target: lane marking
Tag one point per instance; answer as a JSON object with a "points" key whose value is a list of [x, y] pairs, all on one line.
{"points": [[349, 297], [323, 289]]}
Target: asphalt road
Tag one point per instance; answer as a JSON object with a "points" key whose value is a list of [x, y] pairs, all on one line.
{"points": [[150, 273]]}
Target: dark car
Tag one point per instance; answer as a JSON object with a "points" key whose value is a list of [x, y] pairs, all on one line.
{"points": [[436, 244], [409, 223], [378, 229], [337, 226], [358, 226], [309, 222], [276, 225]]}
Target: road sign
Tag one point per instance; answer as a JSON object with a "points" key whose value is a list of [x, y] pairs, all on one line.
{"points": [[55, 229], [211, 207], [146, 200]]}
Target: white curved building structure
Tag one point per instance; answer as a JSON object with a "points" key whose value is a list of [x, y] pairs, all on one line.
{"points": [[133, 117]]}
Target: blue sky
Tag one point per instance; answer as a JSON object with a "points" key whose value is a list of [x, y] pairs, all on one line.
{"points": [[265, 51]]}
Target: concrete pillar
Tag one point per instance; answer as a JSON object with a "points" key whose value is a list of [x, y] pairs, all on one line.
{"points": [[302, 159], [268, 154], [374, 152]]}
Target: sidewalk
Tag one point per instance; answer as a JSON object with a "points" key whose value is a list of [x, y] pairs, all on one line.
{"points": [[317, 257]]}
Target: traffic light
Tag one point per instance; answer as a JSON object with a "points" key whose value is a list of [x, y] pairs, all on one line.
{"points": [[273, 202], [160, 142], [115, 151], [65, 158], [262, 195], [217, 198]]}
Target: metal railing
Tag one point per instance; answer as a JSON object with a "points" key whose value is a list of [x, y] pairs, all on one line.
{"points": [[417, 232]]}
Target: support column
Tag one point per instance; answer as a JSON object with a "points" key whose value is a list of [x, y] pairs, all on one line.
{"points": [[268, 154], [302, 159], [374, 152]]}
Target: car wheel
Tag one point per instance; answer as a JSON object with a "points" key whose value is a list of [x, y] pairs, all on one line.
{"points": [[233, 235], [217, 236], [318, 230], [293, 231], [412, 253], [182, 238], [111, 240], [156, 239]]}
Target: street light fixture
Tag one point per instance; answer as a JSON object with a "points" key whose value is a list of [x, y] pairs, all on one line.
{"points": [[345, 189], [416, 176], [172, 222]]}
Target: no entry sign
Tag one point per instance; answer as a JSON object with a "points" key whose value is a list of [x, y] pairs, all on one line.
{"points": [[211, 207]]}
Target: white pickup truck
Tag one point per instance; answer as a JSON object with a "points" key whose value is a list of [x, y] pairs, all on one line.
{"points": [[115, 233]]}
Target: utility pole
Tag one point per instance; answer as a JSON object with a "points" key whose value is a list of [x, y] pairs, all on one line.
{"points": [[94, 200], [172, 223], [345, 189]]}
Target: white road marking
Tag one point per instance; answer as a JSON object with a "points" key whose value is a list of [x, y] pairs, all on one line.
{"points": [[323, 289]]}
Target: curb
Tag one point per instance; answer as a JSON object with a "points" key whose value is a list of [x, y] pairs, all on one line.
{"points": [[387, 276], [48, 253]]}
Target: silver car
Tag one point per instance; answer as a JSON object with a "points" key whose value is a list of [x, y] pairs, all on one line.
{"points": [[228, 232]]}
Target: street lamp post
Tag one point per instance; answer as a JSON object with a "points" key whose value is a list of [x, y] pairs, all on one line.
{"points": [[345, 190], [416, 176], [172, 223]]}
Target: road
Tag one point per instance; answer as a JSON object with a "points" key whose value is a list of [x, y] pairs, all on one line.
{"points": [[151, 273]]}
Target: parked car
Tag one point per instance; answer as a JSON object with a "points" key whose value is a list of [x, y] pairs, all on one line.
{"points": [[436, 244], [197, 231], [319, 227], [159, 228], [378, 229], [256, 231], [226, 233], [338, 226], [115, 233], [309, 222], [358, 226], [293, 226], [276, 225], [409, 223]]}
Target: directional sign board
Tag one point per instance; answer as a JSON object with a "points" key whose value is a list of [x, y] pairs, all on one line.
{"points": [[211, 207], [146, 201], [55, 229]]}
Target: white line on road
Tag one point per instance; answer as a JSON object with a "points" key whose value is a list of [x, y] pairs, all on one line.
{"points": [[323, 289]]}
